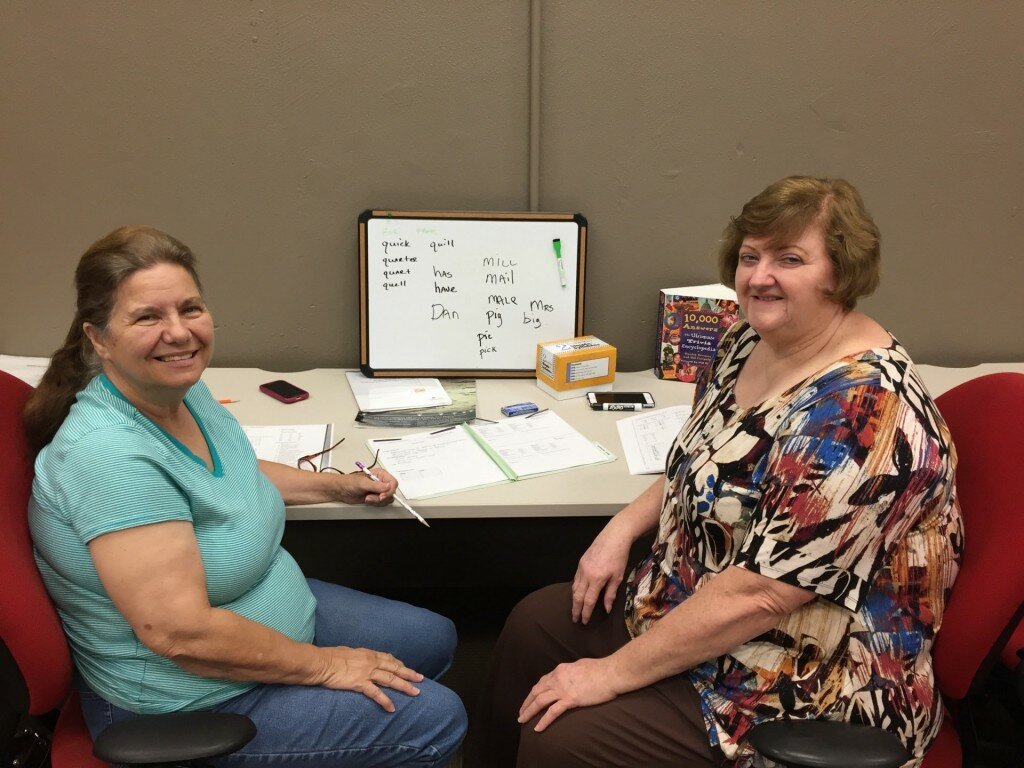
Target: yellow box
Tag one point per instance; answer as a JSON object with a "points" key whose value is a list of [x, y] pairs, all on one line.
{"points": [[572, 367]]}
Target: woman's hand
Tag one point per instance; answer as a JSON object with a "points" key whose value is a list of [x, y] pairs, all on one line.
{"points": [[603, 565], [583, 683], [357, 488], [366, 671], [600, 571]]}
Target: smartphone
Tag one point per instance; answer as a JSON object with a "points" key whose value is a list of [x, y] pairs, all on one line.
{"points": [[283, 391], [620, 401]]}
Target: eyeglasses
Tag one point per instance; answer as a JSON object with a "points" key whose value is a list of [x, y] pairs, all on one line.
{"points": [[306, 462]]}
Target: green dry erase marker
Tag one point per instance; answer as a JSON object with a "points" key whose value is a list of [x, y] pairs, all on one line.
{"points": [[557, 245]]}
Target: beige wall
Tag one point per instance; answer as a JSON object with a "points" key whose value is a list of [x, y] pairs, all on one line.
{"points": [[257, 132]]}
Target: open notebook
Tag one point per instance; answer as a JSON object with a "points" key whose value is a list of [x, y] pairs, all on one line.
{"points": [[459, 458]]}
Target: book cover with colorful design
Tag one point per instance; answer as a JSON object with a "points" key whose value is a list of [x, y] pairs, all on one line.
{"points": [[691, 321]]}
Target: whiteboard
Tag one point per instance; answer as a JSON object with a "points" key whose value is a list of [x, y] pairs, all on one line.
{"points": [[466, 294]]}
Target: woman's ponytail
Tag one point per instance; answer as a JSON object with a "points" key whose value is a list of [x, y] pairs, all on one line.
{"points": [[71, 368]]}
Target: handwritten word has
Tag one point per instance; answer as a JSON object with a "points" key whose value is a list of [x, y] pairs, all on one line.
{"points": [[443, 281]]}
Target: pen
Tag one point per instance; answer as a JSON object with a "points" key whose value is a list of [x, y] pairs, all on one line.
{"points": [[557, 245], [227, 401], [399, 499]]}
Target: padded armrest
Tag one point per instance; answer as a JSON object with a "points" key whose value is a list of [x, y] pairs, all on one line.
{"points": [[827, 744], [174, 737], [1018, 676]]}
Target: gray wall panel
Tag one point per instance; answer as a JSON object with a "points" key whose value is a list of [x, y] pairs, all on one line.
{"points": [[256, 133]]}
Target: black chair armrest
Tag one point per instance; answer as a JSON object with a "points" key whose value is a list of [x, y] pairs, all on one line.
{"points": [[1018, 676], [827, 744], [176, 737]]}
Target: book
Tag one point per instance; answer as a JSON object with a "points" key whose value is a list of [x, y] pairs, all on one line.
{"points": [[287, 444], [691, 321], [647, 437], [454, 459], [462, 408]]}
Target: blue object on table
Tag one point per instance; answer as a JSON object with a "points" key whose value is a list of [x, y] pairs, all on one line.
{"points": [[519, 409]]}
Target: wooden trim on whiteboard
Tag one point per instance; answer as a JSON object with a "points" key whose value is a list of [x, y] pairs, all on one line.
{"points": [[519, 373], [581, 272], [445, 373], [364, 313], [488, 215]]}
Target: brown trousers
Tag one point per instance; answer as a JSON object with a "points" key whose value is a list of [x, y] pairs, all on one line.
{"points": [[660, 725]]}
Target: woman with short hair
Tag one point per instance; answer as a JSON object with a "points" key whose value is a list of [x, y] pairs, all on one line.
{"points": [[807, 534]]}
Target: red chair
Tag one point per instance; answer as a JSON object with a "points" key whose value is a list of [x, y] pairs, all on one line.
{"points": [[36, 666], [986, 419]]}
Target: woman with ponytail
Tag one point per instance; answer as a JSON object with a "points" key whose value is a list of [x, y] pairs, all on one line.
{"points": [[158, 535], [100, 271]]}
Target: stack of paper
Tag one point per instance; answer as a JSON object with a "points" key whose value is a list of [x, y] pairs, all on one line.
{"points": [[385, 394], [461, 409]]}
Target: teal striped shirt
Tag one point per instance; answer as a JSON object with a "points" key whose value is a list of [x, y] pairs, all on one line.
{"points": [[110, 468]]}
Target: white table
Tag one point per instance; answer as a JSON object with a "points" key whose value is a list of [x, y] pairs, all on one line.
{"points": [[599, 490], [596, 490]]}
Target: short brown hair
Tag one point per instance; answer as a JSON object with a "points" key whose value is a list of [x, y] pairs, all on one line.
{"points": [[785, 209]]}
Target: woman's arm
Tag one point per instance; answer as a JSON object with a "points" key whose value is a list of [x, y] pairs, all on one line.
{"points": [[603, 565], [733, 607], [154, 575], [297, 486]]}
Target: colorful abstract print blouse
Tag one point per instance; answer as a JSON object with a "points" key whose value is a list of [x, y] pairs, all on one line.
{"points": [[842, 485]]}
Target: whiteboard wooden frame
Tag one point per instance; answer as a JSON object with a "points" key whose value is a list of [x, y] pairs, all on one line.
{"points": [[365, 311]]}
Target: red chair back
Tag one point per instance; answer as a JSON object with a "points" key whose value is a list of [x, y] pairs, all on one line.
{"points": [[29, 623], [986, 419]]}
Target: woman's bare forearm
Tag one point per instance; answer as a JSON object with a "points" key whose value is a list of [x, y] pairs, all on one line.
{"points": [[641, 515], [222, 644], [298, 486], [734, 607]]}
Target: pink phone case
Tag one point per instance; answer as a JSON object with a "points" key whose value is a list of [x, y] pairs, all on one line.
{"points": [[265, 389]]}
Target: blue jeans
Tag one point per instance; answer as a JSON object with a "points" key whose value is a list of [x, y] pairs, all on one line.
{"points": [[310, 727]]}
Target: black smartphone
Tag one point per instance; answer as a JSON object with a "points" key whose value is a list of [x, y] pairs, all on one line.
{"points": [[620, 401], [283, 391]]}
